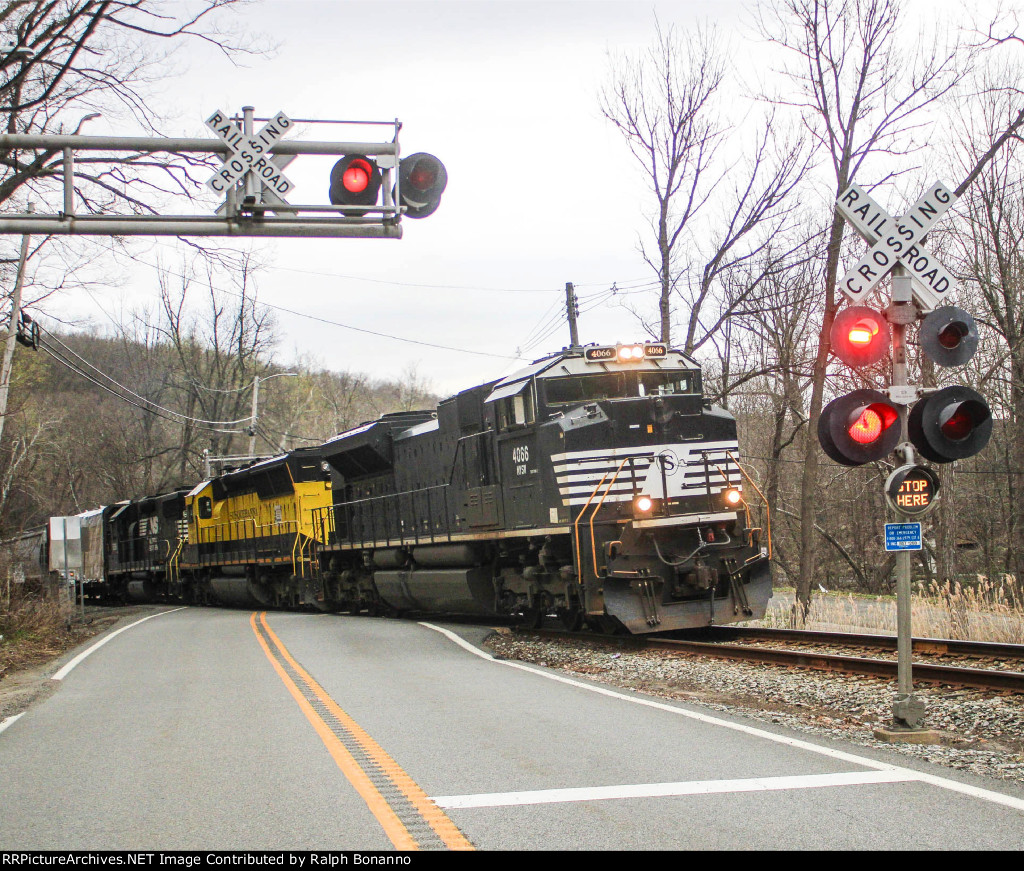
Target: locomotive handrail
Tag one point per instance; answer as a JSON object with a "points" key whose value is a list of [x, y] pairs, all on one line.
{"points": [[593, 514], [395, 525], [576, 525], [746, 505], [767, 507]]}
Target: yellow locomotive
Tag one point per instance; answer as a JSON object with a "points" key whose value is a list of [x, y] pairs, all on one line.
{"points": [[251, 533]]}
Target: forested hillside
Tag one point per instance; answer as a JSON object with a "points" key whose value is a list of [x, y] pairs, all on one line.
{"points": [[94, 419]]}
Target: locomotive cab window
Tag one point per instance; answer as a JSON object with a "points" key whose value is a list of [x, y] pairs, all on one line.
{"points": [[517, 410], [205, 508], [586, 388], [663, 383]]}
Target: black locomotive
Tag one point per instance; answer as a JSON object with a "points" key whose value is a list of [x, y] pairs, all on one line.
{"points": [[595, 485]]}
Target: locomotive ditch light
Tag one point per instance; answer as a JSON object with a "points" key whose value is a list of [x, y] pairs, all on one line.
{"points": [[733, 496], [355, 181], [912, 490], [643, 505], [949, 336], [860, 336], [950, 424], [859, 428]]}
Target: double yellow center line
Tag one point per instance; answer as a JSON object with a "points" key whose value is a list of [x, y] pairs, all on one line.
{"points": [[409, 818]]}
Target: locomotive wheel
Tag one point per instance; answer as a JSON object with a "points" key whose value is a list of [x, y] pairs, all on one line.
{"points": [[603, 625], [530, 618], [571, 618]]}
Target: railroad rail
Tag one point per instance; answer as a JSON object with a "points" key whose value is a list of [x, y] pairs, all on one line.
{"points": [[1000, 679]]}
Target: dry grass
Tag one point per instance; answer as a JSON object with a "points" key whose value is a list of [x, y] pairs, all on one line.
{"points": [[984, 611], [35, 626]]}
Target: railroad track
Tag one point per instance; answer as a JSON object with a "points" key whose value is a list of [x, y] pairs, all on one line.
{"points": [[984, 665]]}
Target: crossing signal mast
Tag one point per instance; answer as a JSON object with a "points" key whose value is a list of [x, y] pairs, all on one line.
{"points": [[912, 422]]}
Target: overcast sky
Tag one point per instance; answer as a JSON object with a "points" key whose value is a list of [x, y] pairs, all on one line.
{"points": [[541, 191]]}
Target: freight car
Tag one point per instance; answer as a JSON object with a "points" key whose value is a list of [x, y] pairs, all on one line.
{"points": [[595, 485]]}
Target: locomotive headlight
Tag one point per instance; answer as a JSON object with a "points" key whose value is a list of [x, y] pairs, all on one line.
{"points": [[733, 496], [631, 352], [643, 504]]}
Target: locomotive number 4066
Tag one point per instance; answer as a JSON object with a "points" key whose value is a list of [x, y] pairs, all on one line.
{"points": [[521, 456]]}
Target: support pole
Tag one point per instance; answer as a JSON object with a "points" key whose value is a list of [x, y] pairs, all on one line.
{"points": [[908, 710]]}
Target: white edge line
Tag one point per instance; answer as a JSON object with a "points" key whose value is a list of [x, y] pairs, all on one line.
{"points": [[905, 773], [655, 790], [10, 721], [64, 671]]}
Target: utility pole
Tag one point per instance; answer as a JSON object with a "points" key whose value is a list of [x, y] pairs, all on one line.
{"points": [[12, 329], [252, 426], [572, 311]]}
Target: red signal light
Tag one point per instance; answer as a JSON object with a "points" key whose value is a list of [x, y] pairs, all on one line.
{"points": [[865, 429], [863, 332], [950, 424], [860, 336], [356, 178], [958, 425], [949, 336], [355, 181], [423, 179], [859, 428], [871, 422]]}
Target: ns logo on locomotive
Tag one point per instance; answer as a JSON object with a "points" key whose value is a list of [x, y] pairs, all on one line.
{"points": [[595, 485]]}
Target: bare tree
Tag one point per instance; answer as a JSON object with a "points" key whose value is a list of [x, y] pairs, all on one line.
{"points": [[987, 241], [666, 105], [65, 61], [861, 91], [218, 353]]}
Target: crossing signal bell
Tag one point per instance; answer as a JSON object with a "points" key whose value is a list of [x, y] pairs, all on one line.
{"points": [[859, 427]]}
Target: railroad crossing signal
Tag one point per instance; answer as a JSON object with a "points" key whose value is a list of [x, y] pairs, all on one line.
{"points": [[897, 242], [355, 181], [949, 336], [422, 178], [863, 426], [950, 424]]}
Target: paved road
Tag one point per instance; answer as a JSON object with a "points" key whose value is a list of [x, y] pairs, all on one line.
{"points": [[210, 729]]}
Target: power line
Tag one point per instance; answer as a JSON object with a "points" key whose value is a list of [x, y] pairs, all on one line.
{"points": [[128, 396]]}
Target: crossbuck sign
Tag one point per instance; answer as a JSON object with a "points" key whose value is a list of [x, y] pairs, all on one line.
{"points": [[897, 242], [251, 155]]}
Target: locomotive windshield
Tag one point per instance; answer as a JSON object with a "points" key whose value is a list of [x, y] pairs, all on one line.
{"points": [[614, 385]]}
